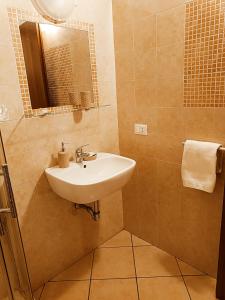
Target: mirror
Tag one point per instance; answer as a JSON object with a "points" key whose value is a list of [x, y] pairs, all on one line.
{"points": [[58, 65]]}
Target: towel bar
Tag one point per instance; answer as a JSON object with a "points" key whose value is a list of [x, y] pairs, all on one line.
{"points": [[220, 148], [220, 154]]}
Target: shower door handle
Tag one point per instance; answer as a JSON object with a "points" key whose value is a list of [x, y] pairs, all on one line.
{"points": [[12, 207], [2, 227], [5, 211]]}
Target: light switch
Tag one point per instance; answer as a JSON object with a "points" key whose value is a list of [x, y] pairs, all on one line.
{"points": [[141, 129]]}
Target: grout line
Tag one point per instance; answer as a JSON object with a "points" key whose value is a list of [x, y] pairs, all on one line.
{"points": [[160, 276], [71, 265], [105, 247], [42, 291], [65, 280], [138, 277], [131, 236], [183, 278], [194, 275], [124, 246], [132, 277], [113, 278], [138, 246], [92, 264]]}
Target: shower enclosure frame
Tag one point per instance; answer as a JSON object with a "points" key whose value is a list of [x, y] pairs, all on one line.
{"points": [[15, 279], [220, 288]]}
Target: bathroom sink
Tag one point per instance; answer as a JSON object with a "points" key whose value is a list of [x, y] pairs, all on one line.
{"points": [[89, 181]]}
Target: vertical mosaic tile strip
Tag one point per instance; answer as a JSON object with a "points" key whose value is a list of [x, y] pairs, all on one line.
{"points": [[18, 15], [204, 57]]}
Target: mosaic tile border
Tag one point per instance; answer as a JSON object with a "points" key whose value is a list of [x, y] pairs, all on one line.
{"points": [[204, 60], [15, 16]]}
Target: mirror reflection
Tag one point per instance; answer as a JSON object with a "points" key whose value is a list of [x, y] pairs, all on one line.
{"points": [[58, 65]]}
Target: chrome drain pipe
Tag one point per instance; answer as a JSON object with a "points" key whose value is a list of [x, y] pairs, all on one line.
{"points": [[93, 209]]}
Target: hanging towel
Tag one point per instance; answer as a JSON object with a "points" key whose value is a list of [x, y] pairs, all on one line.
{"points": [[199, 165]]}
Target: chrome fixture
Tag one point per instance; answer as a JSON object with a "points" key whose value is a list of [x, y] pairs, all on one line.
{"points": [[5, 211], [56, 11], [93, 209], [80, 154]]}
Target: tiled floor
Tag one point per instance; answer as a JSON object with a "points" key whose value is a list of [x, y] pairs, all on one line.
{"points": [[128, 268]]}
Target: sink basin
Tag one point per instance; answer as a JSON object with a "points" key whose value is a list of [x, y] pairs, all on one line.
{"points": [[92, 180]]}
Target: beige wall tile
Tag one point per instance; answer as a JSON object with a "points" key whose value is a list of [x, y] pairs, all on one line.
{"points": [[144, 34], [170, 231], [139, 242], [10, 95], [54, 234], [187, 269], [37, 293], [122, 12], [144, 63], [145, 93], [219, 124], [199, 207], [8, 76], [170, 26], [155, 204], [170, 121], [141, 9], [81, 270], [123, 36], [169, 91], [199, 123], [169, 148], [170, 59], [130, 205], [124, 66], [127, 107]]}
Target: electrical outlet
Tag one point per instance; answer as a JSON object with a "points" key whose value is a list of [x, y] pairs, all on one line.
{"points": [[141, 129]]}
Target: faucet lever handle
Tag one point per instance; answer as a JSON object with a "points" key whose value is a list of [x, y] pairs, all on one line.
{"points": [[81, 147]]}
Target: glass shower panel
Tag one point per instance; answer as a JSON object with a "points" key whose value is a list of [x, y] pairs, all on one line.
{"points": [[14, 278], [5, 290]]}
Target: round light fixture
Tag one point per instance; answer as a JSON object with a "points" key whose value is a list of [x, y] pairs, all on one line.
{"points": [[56, 11]]}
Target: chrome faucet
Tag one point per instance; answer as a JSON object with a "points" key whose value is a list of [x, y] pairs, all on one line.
{"points": [[80, 154]]}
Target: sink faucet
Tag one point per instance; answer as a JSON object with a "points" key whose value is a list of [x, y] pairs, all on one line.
{"points": [[80, 154]]}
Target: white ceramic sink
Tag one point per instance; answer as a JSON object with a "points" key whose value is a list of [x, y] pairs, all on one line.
{"points": [[101, 177]]}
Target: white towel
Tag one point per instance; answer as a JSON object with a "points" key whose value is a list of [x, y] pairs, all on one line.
{"points": [[199, 165]]}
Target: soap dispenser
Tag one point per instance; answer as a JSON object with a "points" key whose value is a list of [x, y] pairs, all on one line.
{"points": [[63, 157]]}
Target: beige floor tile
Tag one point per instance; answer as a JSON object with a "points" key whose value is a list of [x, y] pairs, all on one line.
{"points": [[113, 263], [37, 293], [151, 261], [81, 270], [201, 287], [66, 290], [122, 239], [187, 269], [139, 242], [162, 288], [114, 289]]}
